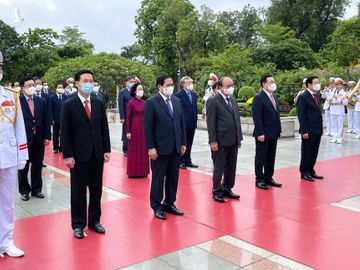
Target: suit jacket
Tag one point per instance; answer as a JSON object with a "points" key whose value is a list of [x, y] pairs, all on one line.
{"points": [[56, 105], [223, 123], [266, 118], [309, 114], [99, 95], [80, 136], [123, 100], [189, 108], [163, 131], [39, 122], [46, 98]]}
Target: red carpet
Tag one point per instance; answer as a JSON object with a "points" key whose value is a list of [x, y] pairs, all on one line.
{"points": [[296, 221]]}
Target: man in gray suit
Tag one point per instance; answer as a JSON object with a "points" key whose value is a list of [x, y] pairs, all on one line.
{"points": [[225, 137]]}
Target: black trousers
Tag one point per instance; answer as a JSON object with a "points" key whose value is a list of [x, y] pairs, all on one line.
{"points": [[124, 139], [165, 170], [224, 164], [36, 156], [309, 153], [186, 158], [89, 173], [56, 137], [265, 153]]}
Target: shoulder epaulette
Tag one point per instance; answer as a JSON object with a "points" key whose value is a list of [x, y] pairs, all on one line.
{"points": [[11, 90]]}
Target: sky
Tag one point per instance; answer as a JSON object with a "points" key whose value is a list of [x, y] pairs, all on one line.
{"points": [[108, 24]]}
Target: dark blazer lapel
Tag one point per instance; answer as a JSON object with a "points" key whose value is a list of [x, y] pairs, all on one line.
{"points": [[25, 105], [185, 95], [81, 108], [267, 100], [94, 108], [163, 105], [36, 107], [223, 102]]}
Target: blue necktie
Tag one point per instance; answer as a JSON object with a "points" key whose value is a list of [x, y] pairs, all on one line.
{"points": [[169, 106], [228, 102], [190, 97]]}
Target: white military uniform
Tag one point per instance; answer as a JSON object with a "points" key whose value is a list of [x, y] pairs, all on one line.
{"points": [[338, 101], [13, 155], [326, 94], [357, 115], [350, 115]]}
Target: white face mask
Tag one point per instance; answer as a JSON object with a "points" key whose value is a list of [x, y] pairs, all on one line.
{"points": [[168, 91], [272, 87], [46, 87], [1, 77], [18, 88], [317, 87], [210, 82], [190, 87], [96, 89], [30, 91], [71, 85], [60, 91], [229, 91], [38, 88], [140, 93]]}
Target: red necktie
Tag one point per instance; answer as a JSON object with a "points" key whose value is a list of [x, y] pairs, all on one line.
{"points": [[87, 109], [316, 100], [31, 106]]}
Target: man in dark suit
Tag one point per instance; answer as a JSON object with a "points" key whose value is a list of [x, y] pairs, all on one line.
{"points": [[86, 146], [266, 116], [225, 137], [123, 100], [38, 135], [311, 128], [188, 100], [56, 101], [166, 141], [98, 93]]}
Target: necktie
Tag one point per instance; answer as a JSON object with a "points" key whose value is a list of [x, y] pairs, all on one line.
{"points": [[190, 97], [228, 102], [169, 106], [60, 97], [31, 106], [87, 109], [273, 101], [316, 100]]}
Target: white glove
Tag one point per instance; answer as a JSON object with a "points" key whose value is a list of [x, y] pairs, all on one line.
{"points": [[21, 165]]}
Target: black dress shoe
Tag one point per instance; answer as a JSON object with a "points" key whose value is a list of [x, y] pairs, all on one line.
{"points": [[38, 195], [56, 151], [25, 197], [97, 228], [273, 183], [315, 176], [192, 165], [173, 210], [307, 177], [44, 165], [182, 166], [219, 198], [261, 185], [160, 214], [79, 233], [230, 194]]}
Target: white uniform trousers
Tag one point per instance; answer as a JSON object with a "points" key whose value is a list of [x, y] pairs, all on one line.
{"points": [[328, 121], [351, 113], [357, 122], [337, 125], [7, 214]]}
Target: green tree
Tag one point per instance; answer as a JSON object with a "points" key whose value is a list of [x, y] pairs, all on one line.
{"points": [[281, 47], [240, 25], [312, 21], [110, 69], [157, 24], [133, 52], [73, 43], [40, 51], [344, 44], [10, 46]]}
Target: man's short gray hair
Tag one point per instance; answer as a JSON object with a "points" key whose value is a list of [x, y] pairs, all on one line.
{"points": [[184, 79]]}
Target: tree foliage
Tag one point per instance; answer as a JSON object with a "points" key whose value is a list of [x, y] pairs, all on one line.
{"points": [[312, 21]]}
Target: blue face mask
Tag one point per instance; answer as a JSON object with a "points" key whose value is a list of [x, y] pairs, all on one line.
{"points": [[87, 88], [130, 85]]}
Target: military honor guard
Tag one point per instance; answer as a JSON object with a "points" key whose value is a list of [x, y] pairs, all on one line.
{"points": [[326, 94], [351, 107], [355, 98], [338, 101], [13, 156]]}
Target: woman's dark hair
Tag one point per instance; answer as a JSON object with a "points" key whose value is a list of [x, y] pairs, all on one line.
{"points": [[215, 85], [133, 89]]}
